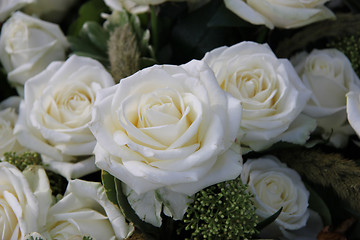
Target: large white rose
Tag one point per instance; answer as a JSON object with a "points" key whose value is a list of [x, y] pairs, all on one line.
{"points": [[271, 93], [55, 113], [274, 186], [28, 45], [329, 75], [280, 13], [167, 126], [85, 210], [25, 199], [9, 6]]}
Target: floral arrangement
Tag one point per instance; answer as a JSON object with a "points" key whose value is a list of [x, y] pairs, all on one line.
{"points": [[193, 119]]}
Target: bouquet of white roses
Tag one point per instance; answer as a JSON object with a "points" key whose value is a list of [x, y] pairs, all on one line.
{"points": [[193, 119]]}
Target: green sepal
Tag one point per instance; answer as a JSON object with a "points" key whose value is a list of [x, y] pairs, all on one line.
{"points": [[109, 186], [261, 225], [130, 214]]}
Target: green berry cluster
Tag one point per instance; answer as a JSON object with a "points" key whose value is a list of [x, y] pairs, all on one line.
{"points": [[350, 46], [87, 238], [23, 160], [222, 211]]}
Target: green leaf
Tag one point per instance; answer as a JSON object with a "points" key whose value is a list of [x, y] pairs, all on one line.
{"points": [[147, 62], [317, 204], [130, 214], [261, 225], [89, 11], [109, 185], [96, 34], [223, 17]]}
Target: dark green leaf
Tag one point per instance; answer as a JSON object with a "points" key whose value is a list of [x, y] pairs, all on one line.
{"points": [[96, 34], [131, 215], [147, 62], [89, 11], [225, 18], [317, 204], [109, 185], [261, 225]]}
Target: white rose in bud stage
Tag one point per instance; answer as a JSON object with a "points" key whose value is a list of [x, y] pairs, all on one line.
{"points": [[280, 13], [8, 118], [28, 45], [25, 198], [55, 114], [9, 6], [167, 126], [274, 186], [85, 210], [271, 93], [329, 75]]}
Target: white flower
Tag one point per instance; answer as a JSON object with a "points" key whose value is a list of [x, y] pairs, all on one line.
{"points": [[353, 110], [9, 6], [167, 126], [280, 13], [329, 75], [85, 211], [274, 186], [8, 118], [25, 199], [50, 10], [141, 6], [270, 91], [55, 113], [28, 45]]}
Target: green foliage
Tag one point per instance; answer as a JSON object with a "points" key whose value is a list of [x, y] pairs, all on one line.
{"points": [[350, 46], [89, 11], [21, 161], [57, 182], [222, 211], [113, 190], [87, 238], [91, 42]]}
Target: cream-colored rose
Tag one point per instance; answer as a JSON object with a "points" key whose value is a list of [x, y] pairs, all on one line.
{"points": [[25, 198], [329, 75], [271, 93], [9, 6], [167, 126], [85, 210], [274, 186], [28, 45], [280, 13], [55, 114]]}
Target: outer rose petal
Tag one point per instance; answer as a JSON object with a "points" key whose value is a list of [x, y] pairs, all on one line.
{"points": [[353, 110]]}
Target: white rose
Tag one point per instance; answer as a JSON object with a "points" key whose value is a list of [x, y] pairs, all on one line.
{"points": [[25, 199], [274, 186], [28, 45], [50, 10], [329, 75], [85, 211], [280, 13], [353, 110], [271, 93], [55, 113], [9, 6], [167, 126]]}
